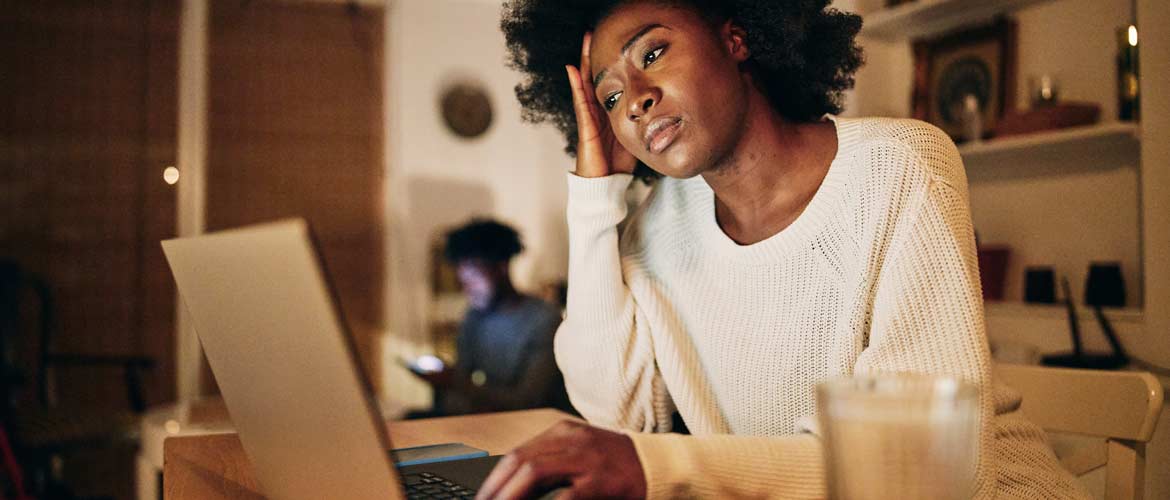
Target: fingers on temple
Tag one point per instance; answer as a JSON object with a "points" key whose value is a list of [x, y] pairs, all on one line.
{"points": [[586, 122], [587, 77], [586, 60]]}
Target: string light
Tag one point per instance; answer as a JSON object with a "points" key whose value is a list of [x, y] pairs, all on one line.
{"points": [[171, 175]]}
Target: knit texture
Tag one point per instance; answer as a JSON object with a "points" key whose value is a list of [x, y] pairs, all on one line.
{"points": [[878, 274]]}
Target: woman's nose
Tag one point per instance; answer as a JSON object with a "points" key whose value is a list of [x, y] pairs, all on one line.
{"points": [[645, 99]]}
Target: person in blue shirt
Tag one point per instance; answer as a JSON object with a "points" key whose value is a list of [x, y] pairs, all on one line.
{"points": [[505, 344]]}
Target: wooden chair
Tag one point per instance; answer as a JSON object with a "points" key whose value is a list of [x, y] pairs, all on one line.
{"points": [[40, 431], [1121, 407]]}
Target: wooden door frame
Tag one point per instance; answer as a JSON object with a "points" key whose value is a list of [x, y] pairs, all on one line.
{"points": [[192, 140]]}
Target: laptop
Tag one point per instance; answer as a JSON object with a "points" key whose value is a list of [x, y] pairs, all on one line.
{"points": [[273, 334]]}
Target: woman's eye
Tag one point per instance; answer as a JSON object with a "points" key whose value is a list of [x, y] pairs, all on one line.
{"points": [[652, 56], [611, 101]]}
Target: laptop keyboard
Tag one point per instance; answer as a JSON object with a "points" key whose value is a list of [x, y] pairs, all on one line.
{"points": [[427, 486]]}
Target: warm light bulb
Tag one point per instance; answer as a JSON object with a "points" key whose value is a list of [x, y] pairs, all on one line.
{"points": [[1133, 36], [171, 175]]}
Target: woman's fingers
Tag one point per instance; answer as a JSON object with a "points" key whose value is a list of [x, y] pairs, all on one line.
{"points": [[587, 129], [500, 475], [587, 76], [536, 466], [538, 474], [598, 151], [586, 47], [594, 462], [591, 161]]}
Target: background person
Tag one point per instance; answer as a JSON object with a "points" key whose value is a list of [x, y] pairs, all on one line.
{"points": [[505, 344]]}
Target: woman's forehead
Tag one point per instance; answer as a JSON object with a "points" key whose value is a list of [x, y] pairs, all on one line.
{"points": [[642, 12], [628, 20]]}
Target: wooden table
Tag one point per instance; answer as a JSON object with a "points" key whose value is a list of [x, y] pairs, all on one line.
{"points": [[216, 467]]}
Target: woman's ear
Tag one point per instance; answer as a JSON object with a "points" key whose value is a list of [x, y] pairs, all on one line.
{"points": [[735, 39]]}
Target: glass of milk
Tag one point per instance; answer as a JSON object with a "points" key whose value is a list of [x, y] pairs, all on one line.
{"points": [[899, 436]]}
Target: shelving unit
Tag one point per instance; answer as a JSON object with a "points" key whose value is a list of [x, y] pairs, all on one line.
{"points": [[1112, 143], [924, 18], [1036, 176], [1065, 159]]}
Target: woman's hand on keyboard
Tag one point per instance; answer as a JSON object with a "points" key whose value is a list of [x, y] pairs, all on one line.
{"points": [[588, 461]]}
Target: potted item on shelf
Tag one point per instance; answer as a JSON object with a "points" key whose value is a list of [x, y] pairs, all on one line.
{"points": [[1047, 112], [1128, 91], [1040, 285], [993, 263], [1104, 285], [969, 68], [1056, 116]]}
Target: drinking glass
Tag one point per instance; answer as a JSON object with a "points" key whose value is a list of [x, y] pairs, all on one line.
{"points": [[899, 436]]}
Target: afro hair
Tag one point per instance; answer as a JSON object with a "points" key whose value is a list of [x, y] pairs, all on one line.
{"points": [[482, 239], [803, 54]]}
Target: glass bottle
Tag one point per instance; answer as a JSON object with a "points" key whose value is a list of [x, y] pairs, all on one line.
{"points": [[1128, 90]]}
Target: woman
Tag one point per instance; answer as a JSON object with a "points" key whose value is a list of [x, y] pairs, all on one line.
{"points": [[783, 247]]}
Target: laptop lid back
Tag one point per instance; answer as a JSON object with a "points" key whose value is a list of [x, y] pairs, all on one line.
{"points": [[262, 307]]}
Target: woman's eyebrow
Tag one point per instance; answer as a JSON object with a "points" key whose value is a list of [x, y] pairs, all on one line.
{"points": [[626, 48]]}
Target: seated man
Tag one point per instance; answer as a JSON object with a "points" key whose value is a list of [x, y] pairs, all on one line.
{"points": [[505, 343]]}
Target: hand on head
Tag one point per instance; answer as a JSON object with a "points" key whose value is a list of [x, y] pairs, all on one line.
{"points": [[598, 152], [588, 461]]}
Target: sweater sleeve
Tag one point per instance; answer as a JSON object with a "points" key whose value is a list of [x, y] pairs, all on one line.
{"points": [[603, 351], [928, 307], [729, 466]]}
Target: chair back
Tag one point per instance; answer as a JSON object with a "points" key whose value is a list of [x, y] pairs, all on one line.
{"points": [[24, 336], [1121, 407]]}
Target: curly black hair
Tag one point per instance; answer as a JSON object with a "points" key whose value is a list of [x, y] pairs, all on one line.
{"points": [[482, 239], [803, 54]]}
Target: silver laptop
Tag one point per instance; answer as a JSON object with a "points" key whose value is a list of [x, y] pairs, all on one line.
{"points": [[273, 334]]}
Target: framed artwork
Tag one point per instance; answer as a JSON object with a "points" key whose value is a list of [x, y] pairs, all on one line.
{"points": [[950, 69]]}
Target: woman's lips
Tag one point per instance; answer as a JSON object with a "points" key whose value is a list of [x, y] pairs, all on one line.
{"points": [[661, 134]]}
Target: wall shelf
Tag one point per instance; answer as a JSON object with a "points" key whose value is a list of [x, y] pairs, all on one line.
{"points": [[1108, 145], [924, 18]]}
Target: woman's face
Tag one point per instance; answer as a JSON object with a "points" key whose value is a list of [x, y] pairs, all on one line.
{"points": [[671, 85]]}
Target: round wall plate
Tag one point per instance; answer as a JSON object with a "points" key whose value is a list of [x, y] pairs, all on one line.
{"points": [[466, 109]]}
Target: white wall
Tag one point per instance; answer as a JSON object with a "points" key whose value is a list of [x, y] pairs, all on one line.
{"points": [[515, 172]]}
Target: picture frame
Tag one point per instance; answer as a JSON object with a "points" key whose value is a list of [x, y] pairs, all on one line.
{"points": [[979, 61]]}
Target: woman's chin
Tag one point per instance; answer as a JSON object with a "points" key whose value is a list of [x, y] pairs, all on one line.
{"points": [[677, 166]]}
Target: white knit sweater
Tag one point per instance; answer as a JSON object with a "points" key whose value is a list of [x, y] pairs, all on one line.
{"points": [[878, 274]]}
